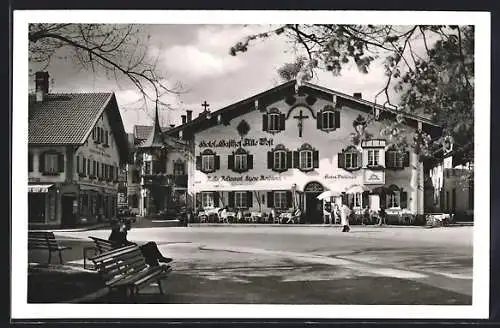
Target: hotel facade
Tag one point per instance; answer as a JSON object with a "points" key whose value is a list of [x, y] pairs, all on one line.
{"points": [[282, 148]]}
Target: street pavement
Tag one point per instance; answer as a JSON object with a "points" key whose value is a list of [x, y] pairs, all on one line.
{"points": [[304, 264]]}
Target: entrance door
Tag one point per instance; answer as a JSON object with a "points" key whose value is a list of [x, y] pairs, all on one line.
{"points": [[36, 207], [68, 213], [314, 206]]}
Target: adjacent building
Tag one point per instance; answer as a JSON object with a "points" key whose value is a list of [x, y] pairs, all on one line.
{"points": [[76, 147], [282, 148]]}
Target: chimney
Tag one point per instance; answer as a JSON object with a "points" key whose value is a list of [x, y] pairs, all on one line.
{"points": [[189, 115], [357, 95], [41, 85], [183, 119]]}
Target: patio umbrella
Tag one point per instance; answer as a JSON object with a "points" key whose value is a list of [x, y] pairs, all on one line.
{"points": [[328, 194], [356, 189]]}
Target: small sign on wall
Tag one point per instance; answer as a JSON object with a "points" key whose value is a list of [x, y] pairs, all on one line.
{"points": [[374, 177]]}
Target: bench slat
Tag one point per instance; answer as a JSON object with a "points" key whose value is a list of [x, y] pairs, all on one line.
{"points": [[112, 253]]}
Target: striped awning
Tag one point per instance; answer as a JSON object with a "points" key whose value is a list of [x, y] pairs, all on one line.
{"points": [[39, 187]]}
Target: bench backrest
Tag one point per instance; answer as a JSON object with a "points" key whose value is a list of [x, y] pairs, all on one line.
{"points": [[120, 262], [42, 239], [103, 245]]}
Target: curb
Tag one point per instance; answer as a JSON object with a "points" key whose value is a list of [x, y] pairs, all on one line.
{"points": [[255, 225]]}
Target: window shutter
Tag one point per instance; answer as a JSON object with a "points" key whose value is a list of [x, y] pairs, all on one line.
{"points": [[84, 166], [270, 199], [97, 169], [61, 162], [217, 162], [197, 200], [359, 158], [270, 162], [282, 122], [264, 122], [216, 199], [404, 199], [93, 134], [230, 162], [344, 198], [41, 162], [406, 159], [198, 163], [389, 159], [337, 119], [365, 198], [250, 161], [288, 199], [341, 160], [296, 159], [316, 159], [319, 121], [249, 199], [77, 164], [30, 162], [111, 173], [230, 199], [289, 159], [107, 136]]}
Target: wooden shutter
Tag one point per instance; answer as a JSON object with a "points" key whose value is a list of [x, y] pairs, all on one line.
{"points": [[230, 162], [93, 134], [78, 164], [365, 198], [270, 160], [389, 159], [230, 199], [107, 136], [61, 162], [270, 199], [264, 122], [319, 120], [359, 158], [406, 159], [197, 200], [315, 159], [30, 162], [341, 160], [282, 122], [217, 162], [289, 159], [111, 173], [249, 199], [250, 161], [344, 198], [337, 119], [404, 199], [216, 199], [198, 163], [289, 199], [84, 166], [296, 159]]}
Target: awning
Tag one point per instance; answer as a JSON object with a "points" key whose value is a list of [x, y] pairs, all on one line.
{"points": [[39, 187], [356, 189]]}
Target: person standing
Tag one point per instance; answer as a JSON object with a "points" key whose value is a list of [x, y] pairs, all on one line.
{"points": [[366, 215], [335, 213], [382, 216], [345, 212]]}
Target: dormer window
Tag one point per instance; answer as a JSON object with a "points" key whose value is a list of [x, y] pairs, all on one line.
{"points": [[273, 121], [240, 161], [208, 161], [306, 158], [279, 159], [350, 159], [328, 119]]}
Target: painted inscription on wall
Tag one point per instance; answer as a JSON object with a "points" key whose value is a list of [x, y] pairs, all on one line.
{"points": [[99, 152], [234, 143], [338, 177], [241, 179]]}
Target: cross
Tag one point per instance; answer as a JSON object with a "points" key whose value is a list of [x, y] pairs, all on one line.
{"points": [[205, 105], [300, 118]]}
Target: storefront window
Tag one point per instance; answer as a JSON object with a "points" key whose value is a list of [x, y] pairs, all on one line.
{"points": [[240, 199], [207, 199], [394, 199], [280, 199]]}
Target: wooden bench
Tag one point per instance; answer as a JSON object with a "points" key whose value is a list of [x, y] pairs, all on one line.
{"points": [[126, 268], [45, 240], [100, 246]]}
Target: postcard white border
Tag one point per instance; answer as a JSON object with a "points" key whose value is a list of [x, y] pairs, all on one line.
{"points": [[22, 310]]}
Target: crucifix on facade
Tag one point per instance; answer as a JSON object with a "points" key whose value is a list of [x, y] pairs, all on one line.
{"points": [[300, 118]]}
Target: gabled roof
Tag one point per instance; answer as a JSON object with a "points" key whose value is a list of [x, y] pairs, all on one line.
{"points": [[277, 93], [68, 119]]}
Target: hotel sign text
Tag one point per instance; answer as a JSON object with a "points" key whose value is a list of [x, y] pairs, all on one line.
{"points": [[234, 143]]}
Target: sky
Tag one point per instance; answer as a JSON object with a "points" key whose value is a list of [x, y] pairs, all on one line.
{"points": [[198, 57]]}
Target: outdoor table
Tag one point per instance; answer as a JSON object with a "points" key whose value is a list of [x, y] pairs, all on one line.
{"points": [[256, 216]]}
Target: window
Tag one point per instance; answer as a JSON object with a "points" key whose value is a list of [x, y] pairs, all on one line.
{"points": [[397, 159], [106, 135], [328, 119], [207, 199], [240, 199], [280, 160], [135, 175], [373, 157], [394, 199], [51, 161], [179, 168], [280, 200], [240, 162], [351, 160], [208, 163], [356, 199], [94, 169], [306, 159], [274, 122]]}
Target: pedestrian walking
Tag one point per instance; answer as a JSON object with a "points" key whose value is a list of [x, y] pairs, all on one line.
{"points": [[366, 215], [345, 213], [382, 216]]}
